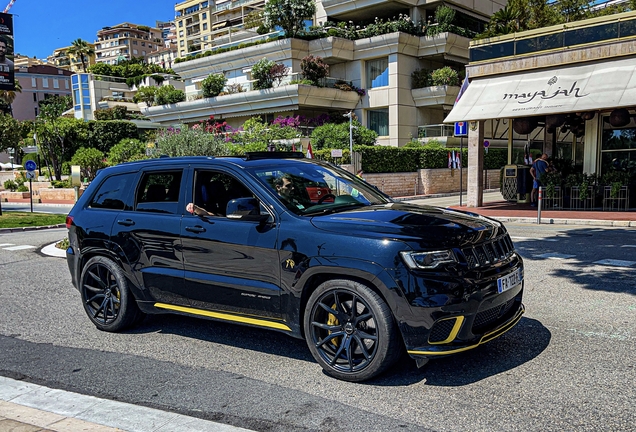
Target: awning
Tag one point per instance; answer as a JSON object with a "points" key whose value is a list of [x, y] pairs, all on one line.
{"points": [[590, 87], [218, 25]]}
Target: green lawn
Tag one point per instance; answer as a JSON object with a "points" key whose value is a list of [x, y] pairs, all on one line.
{"points": [[23, 219]]}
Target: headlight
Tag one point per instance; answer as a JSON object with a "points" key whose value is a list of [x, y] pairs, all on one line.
{"points": [[427, 260]]}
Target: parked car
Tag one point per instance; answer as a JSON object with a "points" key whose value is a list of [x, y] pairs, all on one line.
{"points": [[360, 277]]}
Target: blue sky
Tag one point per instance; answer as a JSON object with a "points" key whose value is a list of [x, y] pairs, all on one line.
{"points": [[41, 26]]}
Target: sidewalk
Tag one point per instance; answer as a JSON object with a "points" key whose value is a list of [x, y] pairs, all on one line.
{"points": [[496, 207], [30, 407]]}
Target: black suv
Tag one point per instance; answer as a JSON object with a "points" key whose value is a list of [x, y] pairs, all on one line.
{"points": [[357, 275]]}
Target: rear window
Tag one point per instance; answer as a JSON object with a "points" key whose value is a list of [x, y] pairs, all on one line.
{"points": [[159, 192], [113, 192]]}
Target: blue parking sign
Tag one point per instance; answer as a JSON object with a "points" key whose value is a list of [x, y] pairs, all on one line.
{"points": [[30, 165], [461, 128]]}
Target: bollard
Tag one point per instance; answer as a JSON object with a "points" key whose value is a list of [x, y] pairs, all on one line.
{"points": [[539, 199], [76, 193]]}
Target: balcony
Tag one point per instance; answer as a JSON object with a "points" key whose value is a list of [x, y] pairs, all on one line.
{"points": [[332, 49], [256, 102], [435, 96], [602, 38], [348, 9]]}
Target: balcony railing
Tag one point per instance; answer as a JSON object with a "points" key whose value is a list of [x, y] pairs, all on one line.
{"points": [[436, 130], [556, 37]]}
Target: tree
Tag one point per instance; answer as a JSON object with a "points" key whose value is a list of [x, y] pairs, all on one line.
{"points": [[314, 68], [81, 49], [65, 101], [10, 132], [213, 84], [169, 95], [290, 15], [145, 94], [55, 133], [128, 149], [89, 160], [7, 97], [337, 136]]}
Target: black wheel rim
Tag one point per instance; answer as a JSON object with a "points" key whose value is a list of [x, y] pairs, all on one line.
{"points": [[102, 294], [344, 331]]}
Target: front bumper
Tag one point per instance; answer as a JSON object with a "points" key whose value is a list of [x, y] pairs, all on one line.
{"points": [[453, 347]]}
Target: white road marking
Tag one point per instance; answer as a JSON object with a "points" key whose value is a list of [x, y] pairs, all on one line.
{"points": [[21, 247], [617, 263], [6, 244], [534, 238], [634, 246], [554, 255]]}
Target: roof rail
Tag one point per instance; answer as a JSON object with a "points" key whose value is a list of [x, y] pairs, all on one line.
{"points": [[273, 155]]}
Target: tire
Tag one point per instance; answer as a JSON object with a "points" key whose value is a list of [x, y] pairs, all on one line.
{"points": [[350, 330], [107, 299]]}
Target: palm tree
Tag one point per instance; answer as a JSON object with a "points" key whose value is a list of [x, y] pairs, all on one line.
{"points": [[8, 96], [80, 48]]}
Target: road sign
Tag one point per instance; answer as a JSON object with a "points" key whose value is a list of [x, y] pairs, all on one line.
{"points": [[461, 128], [30, 165], [30, 175], [486, 143]]}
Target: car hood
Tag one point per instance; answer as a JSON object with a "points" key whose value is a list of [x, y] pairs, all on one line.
{"points": [[421, 226]]}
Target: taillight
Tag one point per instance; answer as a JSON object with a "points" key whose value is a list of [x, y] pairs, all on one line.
{"points": [[69, 221]]}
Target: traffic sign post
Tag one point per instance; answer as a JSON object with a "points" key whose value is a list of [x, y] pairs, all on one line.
{"points": [[30, 166], [461, 130]]}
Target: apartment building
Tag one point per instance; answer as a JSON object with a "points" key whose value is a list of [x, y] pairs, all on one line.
{"points": [[26, 61], [202, 25], [380, 65], [126, 40], [38, 83], [62, 59]]}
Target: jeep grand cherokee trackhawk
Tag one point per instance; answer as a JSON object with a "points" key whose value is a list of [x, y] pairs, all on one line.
{"points": [[357, 275]]}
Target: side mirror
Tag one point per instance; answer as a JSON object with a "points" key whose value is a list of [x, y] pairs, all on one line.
{"points": [[247, 209]]}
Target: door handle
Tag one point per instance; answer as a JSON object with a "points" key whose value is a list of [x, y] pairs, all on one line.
{"points": [[126, 222], [195, 229]]}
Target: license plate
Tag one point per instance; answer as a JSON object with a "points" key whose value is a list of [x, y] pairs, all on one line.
{"points": [[509, 281]]}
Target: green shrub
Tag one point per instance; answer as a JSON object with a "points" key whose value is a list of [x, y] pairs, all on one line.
{"points": [[213, 85], [314, 68], [103, 135], [10, 185], [421, 78], [336, 136], [90, 160], [191, 142], [445, 76], [381, 159], [128, 149], [23, 188], [58, 184], [261, 73], [169, 95]]}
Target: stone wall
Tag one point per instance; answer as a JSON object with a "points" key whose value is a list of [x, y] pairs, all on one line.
{"points": [[55, 195], [427, 181]]}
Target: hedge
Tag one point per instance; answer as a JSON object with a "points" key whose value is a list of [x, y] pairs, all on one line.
{"points": [[381, 159]]}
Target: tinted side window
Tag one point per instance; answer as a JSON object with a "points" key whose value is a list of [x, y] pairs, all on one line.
{"points": [[159, 192], [213, 190], [112, 193]]}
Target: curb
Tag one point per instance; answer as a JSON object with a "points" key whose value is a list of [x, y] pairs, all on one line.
{"points": [[11, 230], [561, 221]]}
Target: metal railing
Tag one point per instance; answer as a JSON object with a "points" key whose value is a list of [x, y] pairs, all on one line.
{"points": [[593, 31], [436, 130]]}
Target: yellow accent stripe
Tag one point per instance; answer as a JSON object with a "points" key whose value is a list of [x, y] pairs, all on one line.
{"points": [[486, 338], [224, 316], [459, 320]]}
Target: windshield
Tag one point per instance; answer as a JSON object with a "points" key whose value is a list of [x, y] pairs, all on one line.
{"points": [[307, 188]]}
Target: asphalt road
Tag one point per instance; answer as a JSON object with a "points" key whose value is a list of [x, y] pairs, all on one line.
{"points": [[570, 364]]}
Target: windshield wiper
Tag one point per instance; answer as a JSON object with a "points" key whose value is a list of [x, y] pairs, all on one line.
{"points": [[333, 209]]}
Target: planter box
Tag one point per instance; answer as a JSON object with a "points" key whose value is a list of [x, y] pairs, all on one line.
{"points": [[577, 203], [64, 195], [14, 196], [554, 201], [620, 202]]}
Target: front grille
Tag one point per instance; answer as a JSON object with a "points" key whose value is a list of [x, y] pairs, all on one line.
{"points": [[487, 317], [488, 252], [441, 330]]}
